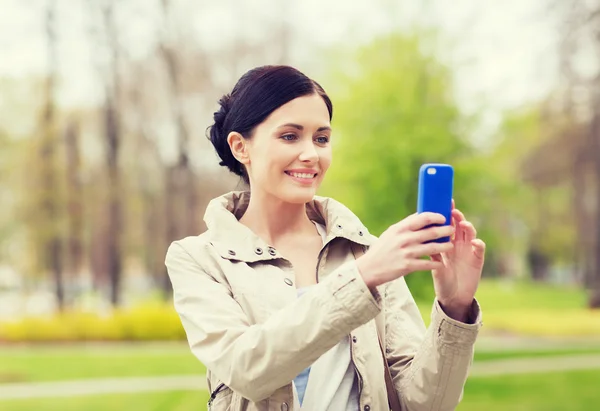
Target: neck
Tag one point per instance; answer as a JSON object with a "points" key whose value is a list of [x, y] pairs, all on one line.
{"points": [[273, 219]]}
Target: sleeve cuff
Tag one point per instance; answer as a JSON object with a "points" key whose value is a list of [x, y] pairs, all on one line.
{"points": [[451, 331]]}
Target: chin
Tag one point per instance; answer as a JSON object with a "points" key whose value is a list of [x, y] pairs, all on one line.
{"points": [[297, 195]]}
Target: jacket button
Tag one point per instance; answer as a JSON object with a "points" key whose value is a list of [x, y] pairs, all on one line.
{"points": [[354, 339], [272, 251], [231, 252], [258, 251], [360, 233], [284, 407], [288, 282], [367, 407], [339, 226]]}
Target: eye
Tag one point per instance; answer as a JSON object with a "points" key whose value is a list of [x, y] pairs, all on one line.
{"points": [[322, 140], [288, 137]]}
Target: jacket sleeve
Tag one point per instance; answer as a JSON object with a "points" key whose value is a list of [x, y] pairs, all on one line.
{"points": [[429, 367], [256, 359]]}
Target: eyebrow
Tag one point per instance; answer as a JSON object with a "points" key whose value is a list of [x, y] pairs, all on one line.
{"points": [[299, 127]]}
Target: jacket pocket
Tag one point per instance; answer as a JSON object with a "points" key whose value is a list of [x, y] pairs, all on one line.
{"points": [[220, 398]]}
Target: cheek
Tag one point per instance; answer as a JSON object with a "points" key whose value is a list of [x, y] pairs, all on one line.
{"points": [[325, 159], [266, 157]]}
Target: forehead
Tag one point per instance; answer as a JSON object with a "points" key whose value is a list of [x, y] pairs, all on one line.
{"points": [[305, 110]]}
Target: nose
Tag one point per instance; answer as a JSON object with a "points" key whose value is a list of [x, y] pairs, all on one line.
{"points": [[309, 153]]}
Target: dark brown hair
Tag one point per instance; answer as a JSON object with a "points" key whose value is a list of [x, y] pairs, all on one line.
{"points": [[255, 96]]}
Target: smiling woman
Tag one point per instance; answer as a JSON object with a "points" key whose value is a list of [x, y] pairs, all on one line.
{"points": [[288, 300]]}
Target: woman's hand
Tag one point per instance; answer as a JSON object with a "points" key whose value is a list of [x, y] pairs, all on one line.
{"points": [[400, 249], [457, 279]]}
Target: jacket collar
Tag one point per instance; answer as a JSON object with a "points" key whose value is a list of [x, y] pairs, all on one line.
{"points": [[235, 241]]}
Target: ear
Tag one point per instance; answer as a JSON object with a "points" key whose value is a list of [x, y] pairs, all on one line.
{"points": [[238, 146]]}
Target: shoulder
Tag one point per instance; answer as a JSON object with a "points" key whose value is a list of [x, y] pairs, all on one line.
{"points": [[196, 250]]}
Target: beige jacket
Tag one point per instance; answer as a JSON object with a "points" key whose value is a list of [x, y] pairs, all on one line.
{"points": [[237, 301]]}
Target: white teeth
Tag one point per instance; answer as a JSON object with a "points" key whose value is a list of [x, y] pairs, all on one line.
{"points": [[302, 175]]}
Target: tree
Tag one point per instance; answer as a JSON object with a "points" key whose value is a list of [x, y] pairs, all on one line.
{"points": [[107, 244], [578, 143], [51, 241], [74, 200], [393, 112]]}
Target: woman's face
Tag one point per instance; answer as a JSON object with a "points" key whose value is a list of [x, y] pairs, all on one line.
{"points": [[290, 152]]}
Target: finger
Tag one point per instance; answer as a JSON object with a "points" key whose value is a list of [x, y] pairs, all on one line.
{"points": [[429, 234], [423, 265], [452, 237], [418, 221], [469, 230], [478, 248], [458, 215], [437, 257], [453, 204], [429, 249]]}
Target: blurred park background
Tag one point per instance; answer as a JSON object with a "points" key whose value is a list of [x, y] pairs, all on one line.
{"points": [[104, 106]]}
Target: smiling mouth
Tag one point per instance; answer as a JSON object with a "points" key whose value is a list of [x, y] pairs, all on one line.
{"points": [[307, 176]]}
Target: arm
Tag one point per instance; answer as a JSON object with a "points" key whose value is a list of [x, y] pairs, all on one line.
{"points": [[429, 367], [255, 360]]}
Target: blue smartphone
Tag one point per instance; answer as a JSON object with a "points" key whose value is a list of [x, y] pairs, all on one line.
{"points": [[436, 182]]}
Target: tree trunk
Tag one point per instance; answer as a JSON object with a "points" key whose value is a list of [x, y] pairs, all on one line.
{"points": [[112, 147], [180, 180], [114, 220], [74, 202], [594, 135], [51, 239]]}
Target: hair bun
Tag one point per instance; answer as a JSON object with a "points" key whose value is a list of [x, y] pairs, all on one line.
{"points": [[218, 137], [219, 116]]}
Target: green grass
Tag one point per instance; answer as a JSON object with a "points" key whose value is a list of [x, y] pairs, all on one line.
{"points": [[51, 363], [167, 401], [537, 309], [526, 295], [526, 308], [510, 354], [55, 363], [573, 391]]}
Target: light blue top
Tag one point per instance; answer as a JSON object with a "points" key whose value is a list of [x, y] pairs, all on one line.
{"points": [[302, 379]]}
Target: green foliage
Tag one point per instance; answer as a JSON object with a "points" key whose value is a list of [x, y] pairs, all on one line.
{"points": [[543, 216], [152, 321], [394, 111]]}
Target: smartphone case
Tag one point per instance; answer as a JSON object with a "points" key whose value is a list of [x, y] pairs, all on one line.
{"points": [[436, 183]]}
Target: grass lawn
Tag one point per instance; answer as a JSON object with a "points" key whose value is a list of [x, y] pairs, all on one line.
{"points": [[526, 308], [69, 362], [526, 295], [50, 363], [166, 401], [500, 355], [573, 391]]}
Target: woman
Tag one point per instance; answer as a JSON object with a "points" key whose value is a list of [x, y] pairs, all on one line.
{"points": [[285, 296]]}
